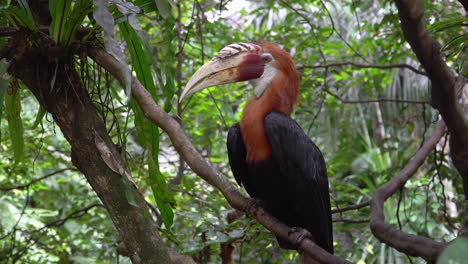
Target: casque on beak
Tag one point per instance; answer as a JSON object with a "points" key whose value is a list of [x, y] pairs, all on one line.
{"points": [[234, 63]]}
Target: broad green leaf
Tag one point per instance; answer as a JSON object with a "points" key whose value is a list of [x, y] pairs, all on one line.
{"points": [[164, 8], [80, 9], [59, 10], [168, 55], [19, 17], [15, 124], [148, 136], [161, 194], [25, 6], [148, 131], [446, 24], [27, 17], [455, 253], [139, 58], [459, 42]]}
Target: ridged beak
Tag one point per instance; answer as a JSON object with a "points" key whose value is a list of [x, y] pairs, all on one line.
{"points": [[234, 63]]}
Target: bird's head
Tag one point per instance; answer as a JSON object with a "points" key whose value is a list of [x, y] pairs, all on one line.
{"points": [[258, 63]]}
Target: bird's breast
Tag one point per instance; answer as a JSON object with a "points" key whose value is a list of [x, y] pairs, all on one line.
{"points": [[253, 134]]}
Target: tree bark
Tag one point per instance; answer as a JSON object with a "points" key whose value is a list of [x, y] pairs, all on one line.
{"points": [[446, 87], [59, 90]]}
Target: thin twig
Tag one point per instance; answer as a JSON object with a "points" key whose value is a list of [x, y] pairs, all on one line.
{"points": [[351, 221], [379, 100], [312, 28], [362, 66], [75, 214], [350, 207], [23, 186], [339, 34]]}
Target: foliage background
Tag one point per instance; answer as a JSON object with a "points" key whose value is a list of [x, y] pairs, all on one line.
{"points": [[339, 48]]}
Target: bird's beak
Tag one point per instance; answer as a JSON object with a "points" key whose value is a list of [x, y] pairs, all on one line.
{"points": [[234, 63]]}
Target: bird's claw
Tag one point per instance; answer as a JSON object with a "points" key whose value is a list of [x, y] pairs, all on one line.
{"points": [[252, 205], [302, 234]]}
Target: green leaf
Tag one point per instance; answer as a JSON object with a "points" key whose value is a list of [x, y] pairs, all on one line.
{"points": [[148, 133], [80, 9], [20, 17], [67, 18], [59, 10], [147, 6], [455, 253], [15, 124], [459, 41], [129, 191], [161, 194], [3, 90], [164, 8], [148, 136], [139, 58], [168, 54], [446, 24], [39, 116]]}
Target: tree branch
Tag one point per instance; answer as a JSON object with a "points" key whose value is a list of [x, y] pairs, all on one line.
{"points": [[22, 186], [404, 242], [350, 207], [446, 88], [75, 214], [350, 221], [379, 100], [201, 167], [363, 66]]}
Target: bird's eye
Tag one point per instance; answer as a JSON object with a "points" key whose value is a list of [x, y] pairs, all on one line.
{"points": [[266, 57]]}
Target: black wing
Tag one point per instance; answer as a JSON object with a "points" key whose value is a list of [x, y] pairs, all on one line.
{"points": [[302, 163], [237, 153]]}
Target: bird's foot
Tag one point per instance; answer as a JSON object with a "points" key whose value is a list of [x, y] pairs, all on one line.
{"points": [[302, 234], [252, 205]]}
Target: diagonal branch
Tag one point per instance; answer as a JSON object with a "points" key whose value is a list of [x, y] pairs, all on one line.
{"points": [[410, 244], [201, 167]]}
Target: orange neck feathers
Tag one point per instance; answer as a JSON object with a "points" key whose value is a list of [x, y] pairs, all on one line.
{"points": [[280, 96]]}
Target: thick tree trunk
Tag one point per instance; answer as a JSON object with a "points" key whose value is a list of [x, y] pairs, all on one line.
{"points": [[58, 88]]}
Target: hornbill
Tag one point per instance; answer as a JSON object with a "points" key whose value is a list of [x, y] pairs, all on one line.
{"points": [[269, 153]]}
